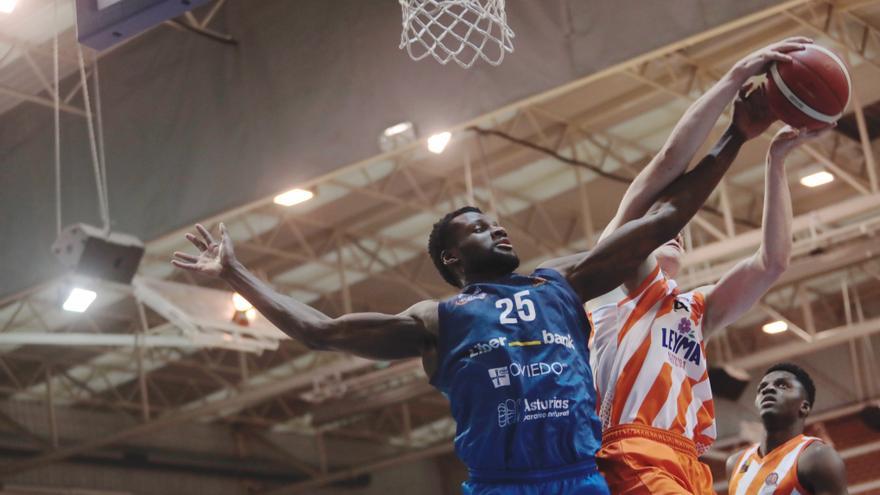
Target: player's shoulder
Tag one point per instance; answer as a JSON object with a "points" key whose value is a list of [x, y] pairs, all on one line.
{"points": [[817, 455], [733, 460], [427, 312], [820, 464]]}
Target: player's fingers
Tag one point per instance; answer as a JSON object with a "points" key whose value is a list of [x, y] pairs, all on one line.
{"points": [[778, 57], [184, 265], [788, 47], [746, 89], [185, 257], [205, 234], [198, 243]]}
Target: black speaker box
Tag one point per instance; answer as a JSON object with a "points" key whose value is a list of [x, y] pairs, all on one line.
{"points": [[88, 251]]}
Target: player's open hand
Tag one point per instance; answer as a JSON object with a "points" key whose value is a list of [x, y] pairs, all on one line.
{"points": [[214, 256], [789, 138], [751, 112], [759, 61]]}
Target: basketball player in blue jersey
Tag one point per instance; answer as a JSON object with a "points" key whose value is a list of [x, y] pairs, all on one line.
{"points": [[509, 351]]}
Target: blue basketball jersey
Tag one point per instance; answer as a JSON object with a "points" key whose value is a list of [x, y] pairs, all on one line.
{"points": [[513, 361]]}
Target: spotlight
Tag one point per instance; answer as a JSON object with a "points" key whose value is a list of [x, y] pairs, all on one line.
{"points": [[251, 314], [240, 303], [397, 136], [7, 6], [817, 179], [294, 196], [437, 143], [777, 326], [79, 300]]}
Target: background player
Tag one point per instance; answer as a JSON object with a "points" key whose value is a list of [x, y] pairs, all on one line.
{"points": [[787, 461]]}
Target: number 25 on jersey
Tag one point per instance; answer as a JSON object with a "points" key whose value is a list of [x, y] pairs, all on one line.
{"points": [[525, 308]]}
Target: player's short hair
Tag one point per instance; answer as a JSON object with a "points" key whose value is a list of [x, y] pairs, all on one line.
{"points": [[439, 241], [802, 376]]}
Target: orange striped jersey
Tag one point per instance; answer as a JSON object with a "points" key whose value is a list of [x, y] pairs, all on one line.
{"points": [[649, 361], [775, 473]]}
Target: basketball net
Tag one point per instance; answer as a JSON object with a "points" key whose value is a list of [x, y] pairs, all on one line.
{"points": [[459, 30]]}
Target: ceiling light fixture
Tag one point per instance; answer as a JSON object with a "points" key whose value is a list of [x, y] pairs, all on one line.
{"points": [[817, 178], [437, 143], [79, 300], [293, 197], [777, 326], [7, 6]]}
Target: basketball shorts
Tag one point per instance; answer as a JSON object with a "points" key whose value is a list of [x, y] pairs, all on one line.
{"points": [[582, 479], [637, 459]]}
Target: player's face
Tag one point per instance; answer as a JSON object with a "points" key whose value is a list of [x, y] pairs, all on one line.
{"points": [[781, 396], [482, 245], [669, 255]]}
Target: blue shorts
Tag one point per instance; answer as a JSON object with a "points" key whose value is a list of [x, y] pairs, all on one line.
{"points": [[585, 482]]}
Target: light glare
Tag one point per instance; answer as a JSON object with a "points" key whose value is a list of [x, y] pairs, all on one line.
{"points": [[437, 143], [79, 300], [777, 326], [7, 6], [817, 179], [294, 196], [251, 314], [398, 129], [240, 303]]}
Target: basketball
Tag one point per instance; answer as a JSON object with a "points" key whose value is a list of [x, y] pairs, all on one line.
{"points": [[812, 91]]}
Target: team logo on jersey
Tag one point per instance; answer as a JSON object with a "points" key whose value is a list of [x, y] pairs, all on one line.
{"points": [[555, 338], [501, 376], [547, 338], [507, 413], [745, 467], [772, 479], [463, 299], [488, 346], [682, 342], [680, 305], [513, 411]]}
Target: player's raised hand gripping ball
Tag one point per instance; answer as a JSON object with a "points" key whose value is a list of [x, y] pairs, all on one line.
{"points": [[812, 91]]}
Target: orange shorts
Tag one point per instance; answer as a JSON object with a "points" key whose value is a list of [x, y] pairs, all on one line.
{"points": [[637, 459]]}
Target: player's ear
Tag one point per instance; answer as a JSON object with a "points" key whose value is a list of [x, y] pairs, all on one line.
{"points": [[449, 257], [805, 408]]}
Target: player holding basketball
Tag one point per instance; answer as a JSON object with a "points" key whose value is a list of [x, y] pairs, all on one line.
{"points": [[509, 351], [648, 358], [786, 462]]}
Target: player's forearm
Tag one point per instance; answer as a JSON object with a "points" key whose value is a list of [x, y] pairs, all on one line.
{"points": [[699, 120], [298, 320], [673, 159], [681, 200], [775, 250]]}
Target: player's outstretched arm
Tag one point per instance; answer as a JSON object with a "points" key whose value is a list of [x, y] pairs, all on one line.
{"points": [[371, 335], [617, 257], [751, 278], [821, 470], [692, 130]]}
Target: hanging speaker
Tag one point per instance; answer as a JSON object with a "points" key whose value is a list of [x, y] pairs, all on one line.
{"points": [[88, 251]]}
